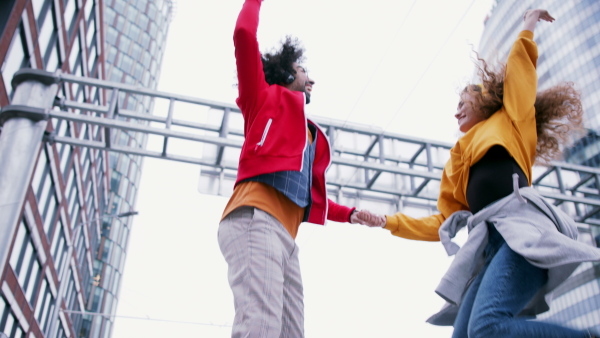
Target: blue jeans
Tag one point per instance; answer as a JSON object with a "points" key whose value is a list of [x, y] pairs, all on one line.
{"points": [[497, 295]]}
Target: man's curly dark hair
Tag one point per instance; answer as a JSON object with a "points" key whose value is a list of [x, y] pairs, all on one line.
{"points": [[277, 62]]}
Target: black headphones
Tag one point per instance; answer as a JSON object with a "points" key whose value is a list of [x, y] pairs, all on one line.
{"points": [[288, 77]]}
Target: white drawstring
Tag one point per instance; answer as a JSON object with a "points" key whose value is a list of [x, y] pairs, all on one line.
{"points": [[516, 188]]}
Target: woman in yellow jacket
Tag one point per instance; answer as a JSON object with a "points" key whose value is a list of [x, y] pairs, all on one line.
{"points": [[505, 129]]}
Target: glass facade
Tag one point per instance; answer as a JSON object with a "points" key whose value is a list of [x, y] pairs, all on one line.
{"points": [[136, 33], [75, 192], [569, 50], [59, 233]]}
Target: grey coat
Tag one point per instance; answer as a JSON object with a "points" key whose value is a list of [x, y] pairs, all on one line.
{"points": [[532, 227]]}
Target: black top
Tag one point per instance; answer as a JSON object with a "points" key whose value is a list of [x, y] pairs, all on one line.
{"points": [[490, 179]]}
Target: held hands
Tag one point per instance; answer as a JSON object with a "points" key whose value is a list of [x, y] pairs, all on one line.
{"points": [[532, 16], [368, 218]]}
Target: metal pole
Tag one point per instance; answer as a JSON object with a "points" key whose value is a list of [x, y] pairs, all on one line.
{"points": [[20, 142], [65, 269]]}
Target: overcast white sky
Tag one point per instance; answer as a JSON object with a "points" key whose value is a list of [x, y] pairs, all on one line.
{"points": [[394, 64]]}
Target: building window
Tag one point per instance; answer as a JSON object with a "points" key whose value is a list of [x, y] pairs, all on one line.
{"points": [[8, 322], [53, 58], [89, 9], [91, 210], [125, 63], [97, 300], [73, 304], [153, 28], [116, 279], [100, 171], [84, 159], [47, 31], [111, 35], [145, 40], [115, 180], [116, 202], [76, 89], [40, 6], [125, 160], [115, 259], [62, 329], [89, 200], [74, 55], [112, 54], [59, 247], [71, 11], [16, 58], [71, 291], [124, 43], [95, 99], [132, 14], [116, 75], [91, 31], [25, 263], [124, 185], [138, 71], [83, 265], [113, 160], [66, 154], [76, 64], [44, 306], [107, 249], [134, 31], [73, 199], [65, 151], [45, 192], [146, 59], [92, 61], [123, 237], [109, 16]]}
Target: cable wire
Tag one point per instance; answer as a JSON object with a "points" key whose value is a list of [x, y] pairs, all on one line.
{"points": [[368, 83], [386, 126], [146, 318]]}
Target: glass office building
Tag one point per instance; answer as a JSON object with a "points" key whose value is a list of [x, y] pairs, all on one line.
{"points": [[136, 33], [66, 257], [569, 50], [69, 186]]}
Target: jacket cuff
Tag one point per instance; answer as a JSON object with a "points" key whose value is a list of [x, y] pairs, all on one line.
{"points": [[352, 211]]}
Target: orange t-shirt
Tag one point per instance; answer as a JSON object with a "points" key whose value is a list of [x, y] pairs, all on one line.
{"points": [[268, 199]]}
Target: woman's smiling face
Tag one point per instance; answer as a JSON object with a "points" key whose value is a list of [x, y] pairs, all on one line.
{"points": [[466, 112]]}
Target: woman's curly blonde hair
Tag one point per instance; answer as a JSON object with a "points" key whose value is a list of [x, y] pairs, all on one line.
{"points": [[558, 109]]}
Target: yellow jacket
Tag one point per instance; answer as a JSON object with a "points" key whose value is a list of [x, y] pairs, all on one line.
{"points": [[512, 127]]}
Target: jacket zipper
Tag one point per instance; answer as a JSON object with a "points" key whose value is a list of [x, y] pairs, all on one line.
{"points": [[264, 135]]}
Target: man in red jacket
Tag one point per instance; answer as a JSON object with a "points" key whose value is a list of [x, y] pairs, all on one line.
{"points": [[280, 184]]}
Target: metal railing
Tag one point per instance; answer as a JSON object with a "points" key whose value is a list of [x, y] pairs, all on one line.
{"points": [[386, 171]]}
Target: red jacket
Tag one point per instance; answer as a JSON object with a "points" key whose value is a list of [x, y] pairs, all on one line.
{"points": [[275, 124]]}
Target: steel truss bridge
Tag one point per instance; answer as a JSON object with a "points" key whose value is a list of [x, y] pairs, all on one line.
{"points": [[371, 168]]}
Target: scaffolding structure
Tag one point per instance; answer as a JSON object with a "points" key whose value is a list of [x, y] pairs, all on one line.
{"points": [[371, 168], [369, 165]]}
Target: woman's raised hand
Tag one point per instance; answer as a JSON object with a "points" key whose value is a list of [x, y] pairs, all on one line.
{"points": [[532, 16]]}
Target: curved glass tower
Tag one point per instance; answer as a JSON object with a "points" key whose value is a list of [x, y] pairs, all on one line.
{"points": [[136, 33], [569, 50]]}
